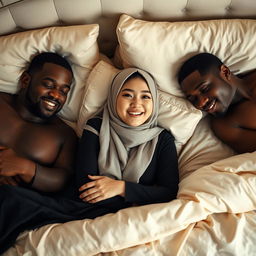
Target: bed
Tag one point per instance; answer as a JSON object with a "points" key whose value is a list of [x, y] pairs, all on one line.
{"points": [[214, 213]]}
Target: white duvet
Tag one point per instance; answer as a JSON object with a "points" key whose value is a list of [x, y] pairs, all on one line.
{"points": [[213, 214]]}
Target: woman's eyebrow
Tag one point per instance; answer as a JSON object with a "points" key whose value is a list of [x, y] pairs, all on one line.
{"points": [[130, 90], [126, 89]]}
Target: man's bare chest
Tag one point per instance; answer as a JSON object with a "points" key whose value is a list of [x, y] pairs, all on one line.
{"points": [[40, 142]]}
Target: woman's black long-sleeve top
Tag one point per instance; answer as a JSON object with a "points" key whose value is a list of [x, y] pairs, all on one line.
{"points": [[159, 182]]}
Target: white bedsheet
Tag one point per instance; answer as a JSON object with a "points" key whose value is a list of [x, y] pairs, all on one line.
{"points": [[213, 215]]}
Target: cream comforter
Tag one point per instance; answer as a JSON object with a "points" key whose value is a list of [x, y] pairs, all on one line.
{"points": [[213, 215]]}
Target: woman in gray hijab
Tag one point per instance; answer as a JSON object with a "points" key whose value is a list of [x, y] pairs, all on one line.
{"points": [[123, 153], [124, 159]]}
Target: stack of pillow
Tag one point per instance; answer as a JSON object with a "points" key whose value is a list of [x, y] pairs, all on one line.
{"points": [[157, 47]]}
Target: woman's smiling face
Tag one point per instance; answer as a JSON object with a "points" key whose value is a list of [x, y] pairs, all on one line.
{"points": [[134, 104]]}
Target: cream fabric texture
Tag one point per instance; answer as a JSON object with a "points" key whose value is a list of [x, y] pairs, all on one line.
{"points": [[222, 193], [161, 47], [203, 148], [77, 43], [174, 115], [31, 14], [95, 92], [214, 213]]}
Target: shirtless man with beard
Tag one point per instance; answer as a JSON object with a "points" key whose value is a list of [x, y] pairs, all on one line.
{"points": [[231, 100], [37, 149]]}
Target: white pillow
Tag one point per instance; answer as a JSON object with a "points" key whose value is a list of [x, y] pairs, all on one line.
{"points": [[77, 43], [161, 47], [203, 148], [173, 114], [95, 92]]}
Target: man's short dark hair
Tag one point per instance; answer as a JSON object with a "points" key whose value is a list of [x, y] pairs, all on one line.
{"points": [[202, 62], [47, 57]]}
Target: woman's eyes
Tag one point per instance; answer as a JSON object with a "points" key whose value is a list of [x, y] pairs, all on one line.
{"points": [[146, 97], [127, 95], [142, 96]]}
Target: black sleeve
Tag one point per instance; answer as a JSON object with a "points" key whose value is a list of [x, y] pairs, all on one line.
{"points": [[87, 155], [166, 176], [87, 163]]}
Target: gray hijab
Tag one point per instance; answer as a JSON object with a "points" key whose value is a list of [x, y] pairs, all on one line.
{"points": [[126, 151]]}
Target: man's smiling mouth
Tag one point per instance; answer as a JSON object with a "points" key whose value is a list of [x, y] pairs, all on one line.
{"points": [[210, 106], [50, 104]]}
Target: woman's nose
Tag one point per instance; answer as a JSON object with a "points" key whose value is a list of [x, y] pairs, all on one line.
{"points": [[135, 101]]}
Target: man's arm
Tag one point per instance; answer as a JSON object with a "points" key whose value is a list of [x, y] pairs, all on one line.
{"points": [[238, 127], [44, 178], [54, 178]]}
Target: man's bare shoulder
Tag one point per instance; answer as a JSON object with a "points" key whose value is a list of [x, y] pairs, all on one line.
{"points": [[241, 114], [6, 97], [237, 127], [243, 108], [55, 123], [248, 75], [63, 127], [249, 82]]}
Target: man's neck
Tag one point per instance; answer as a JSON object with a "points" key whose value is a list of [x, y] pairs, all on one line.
{"points": [[27, 115], [247, 83], [242, 89], [237, 97]]}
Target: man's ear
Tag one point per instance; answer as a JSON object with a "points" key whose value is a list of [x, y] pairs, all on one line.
{"points": [[225, 72], [25, 79]]}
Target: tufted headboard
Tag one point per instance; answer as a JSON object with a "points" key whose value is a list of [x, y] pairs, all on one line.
{"points": [[18, 15], [206, 198]]}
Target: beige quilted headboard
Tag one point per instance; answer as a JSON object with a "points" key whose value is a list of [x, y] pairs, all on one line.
{"points": [[29, 14]]}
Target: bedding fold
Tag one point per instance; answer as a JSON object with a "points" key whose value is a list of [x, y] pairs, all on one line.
{"points": [[225, 187]]}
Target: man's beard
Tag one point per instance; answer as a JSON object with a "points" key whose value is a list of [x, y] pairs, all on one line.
{"points": [[35, 107], [220, 114]]}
